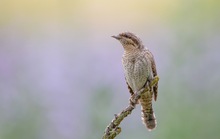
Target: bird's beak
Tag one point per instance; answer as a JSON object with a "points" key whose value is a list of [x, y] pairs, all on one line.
{"points": [[116, 37]]}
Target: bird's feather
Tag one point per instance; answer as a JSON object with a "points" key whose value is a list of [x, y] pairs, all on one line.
{"points": [[154, 70]]}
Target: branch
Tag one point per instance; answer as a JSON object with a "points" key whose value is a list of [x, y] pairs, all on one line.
{"points": [[113, 129]]}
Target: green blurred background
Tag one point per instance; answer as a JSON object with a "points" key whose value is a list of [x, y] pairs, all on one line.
{"points": [[61, 75]]}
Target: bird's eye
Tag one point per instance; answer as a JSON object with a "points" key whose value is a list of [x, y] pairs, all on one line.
{"points": [[129, 41]]}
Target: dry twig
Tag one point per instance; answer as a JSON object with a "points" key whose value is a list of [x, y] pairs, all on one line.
{"points": [[113, 128]]}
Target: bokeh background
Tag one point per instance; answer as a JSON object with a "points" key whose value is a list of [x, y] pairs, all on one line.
{"points": [[61, 75]]}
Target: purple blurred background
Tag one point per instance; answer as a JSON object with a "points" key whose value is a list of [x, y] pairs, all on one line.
{"points": [[61, 75]]}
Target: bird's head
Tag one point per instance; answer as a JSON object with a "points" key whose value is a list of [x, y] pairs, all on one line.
{"points": [[129, 41]]}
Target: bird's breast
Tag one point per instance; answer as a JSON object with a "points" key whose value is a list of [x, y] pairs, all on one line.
{"points": [[136, 72]]}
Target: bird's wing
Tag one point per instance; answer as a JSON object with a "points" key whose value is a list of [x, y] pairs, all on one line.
{"points": [[154, 70]]}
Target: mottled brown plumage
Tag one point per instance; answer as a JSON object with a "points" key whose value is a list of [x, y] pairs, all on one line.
{"points": [[140, 69]]}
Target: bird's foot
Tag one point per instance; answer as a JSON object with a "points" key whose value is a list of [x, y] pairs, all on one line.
{"points": [[131, 100]]}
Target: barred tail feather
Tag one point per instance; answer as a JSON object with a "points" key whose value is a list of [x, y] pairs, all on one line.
{"points": [[149, 120], [147, 114]]}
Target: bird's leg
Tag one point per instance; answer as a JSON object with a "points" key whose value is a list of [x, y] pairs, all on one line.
{"points": [[131, 100], [132, 103]]}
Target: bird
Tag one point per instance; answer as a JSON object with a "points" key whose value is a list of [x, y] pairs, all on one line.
{"points": [[139, 70]]}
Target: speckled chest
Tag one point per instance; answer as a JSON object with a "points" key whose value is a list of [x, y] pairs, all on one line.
{"points": [[137, 70]]}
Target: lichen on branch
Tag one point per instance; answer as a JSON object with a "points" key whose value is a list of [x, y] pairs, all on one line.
{"points": [[113, 129]]}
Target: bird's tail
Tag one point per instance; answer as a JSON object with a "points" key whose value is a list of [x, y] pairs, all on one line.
{"points": [[147, 114]]}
